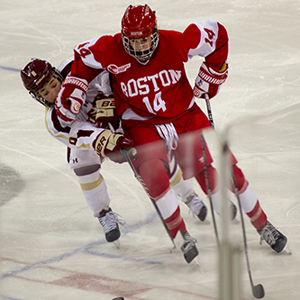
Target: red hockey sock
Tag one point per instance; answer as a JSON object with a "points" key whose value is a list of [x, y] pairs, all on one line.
{"points": [[175, 223], [257, 216]]}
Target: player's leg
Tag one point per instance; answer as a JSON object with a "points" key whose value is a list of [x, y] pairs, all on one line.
{"points": [[86, 165], [152, 165], [185, 190], [254, 211]]}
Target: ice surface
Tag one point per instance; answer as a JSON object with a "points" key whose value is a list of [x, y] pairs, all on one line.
{"points": [[52, 247]]}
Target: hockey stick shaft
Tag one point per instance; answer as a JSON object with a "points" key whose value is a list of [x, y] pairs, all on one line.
{"points": [[209, 111], [206, 170], [257, 290], [140, 180], [208, 187]]}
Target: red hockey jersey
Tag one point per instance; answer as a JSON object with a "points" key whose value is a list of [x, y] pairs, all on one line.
{"points": [[159, 91]]}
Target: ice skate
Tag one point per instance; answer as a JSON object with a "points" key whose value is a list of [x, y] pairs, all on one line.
{"points": [[189, 248], [109, 220], [196, 205], [273, 237]]}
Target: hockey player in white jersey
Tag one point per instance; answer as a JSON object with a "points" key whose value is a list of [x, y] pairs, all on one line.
{"points": [[43, 82], [81, 134]]}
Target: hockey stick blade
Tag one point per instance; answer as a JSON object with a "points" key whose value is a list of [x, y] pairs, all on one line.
{"points": [[258, 291]]}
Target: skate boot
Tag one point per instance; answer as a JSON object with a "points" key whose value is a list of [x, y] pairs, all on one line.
{"points": [[196, 205], [189, 248], [273, 237], [109, 220]]}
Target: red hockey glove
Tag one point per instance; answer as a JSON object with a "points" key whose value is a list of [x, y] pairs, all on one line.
{"points": [[209, 81], [109, 144], [106, 113], [71, 97]]}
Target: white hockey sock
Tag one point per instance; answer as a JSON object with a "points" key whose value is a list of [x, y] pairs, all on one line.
{"points": [[216, 201], [248, 199], [183, 188], [95, 191], [167, 204]]}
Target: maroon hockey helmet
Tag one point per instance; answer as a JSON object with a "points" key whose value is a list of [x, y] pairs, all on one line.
{"points": [[139, 22], [35, 75]]}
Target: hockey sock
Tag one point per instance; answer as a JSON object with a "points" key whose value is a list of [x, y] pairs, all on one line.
{"points": [[170, 211], [252, 208], [95, 191], [175, 223], [257, 216], [182, 188]]}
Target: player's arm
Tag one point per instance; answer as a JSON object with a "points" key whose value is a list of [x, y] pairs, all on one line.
{"points": [[57, 127], [74, 88], [209, 39], [105, 143]]}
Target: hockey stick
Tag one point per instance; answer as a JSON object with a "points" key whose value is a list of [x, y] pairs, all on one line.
{"points": [[140, 180], [209, 188], [257, 290], [209, 112]]}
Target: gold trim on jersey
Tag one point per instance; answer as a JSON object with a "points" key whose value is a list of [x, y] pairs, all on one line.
{"points": [[61, 136]]}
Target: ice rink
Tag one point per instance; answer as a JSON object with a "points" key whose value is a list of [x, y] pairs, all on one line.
{"points": [[51, 246]]}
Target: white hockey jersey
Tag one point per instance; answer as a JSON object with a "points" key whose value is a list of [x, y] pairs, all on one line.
{"points": [[61, 129]]}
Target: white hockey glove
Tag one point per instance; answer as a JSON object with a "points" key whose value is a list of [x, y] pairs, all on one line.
{"points": [[209, 81], [71, 97]]}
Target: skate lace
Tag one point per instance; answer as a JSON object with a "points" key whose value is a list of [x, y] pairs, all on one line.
{"points": [[110, 220], [269, 234], [189, 242], [195, 204]]}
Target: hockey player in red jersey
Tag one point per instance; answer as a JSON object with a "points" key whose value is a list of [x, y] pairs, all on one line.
{"points": [[44, 82], [157, 104]]}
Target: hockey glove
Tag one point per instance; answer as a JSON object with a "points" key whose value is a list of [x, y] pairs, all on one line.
{"points": [[71, 97], [106, 113], [209, 81], [109, 144]]}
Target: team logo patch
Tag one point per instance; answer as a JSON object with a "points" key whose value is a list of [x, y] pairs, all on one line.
{"points": [[116, 70], [76, 107]]}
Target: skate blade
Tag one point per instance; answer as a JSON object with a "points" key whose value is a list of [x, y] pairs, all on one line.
{"points": [[196, 264], [117, 244], [287, 250]]}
